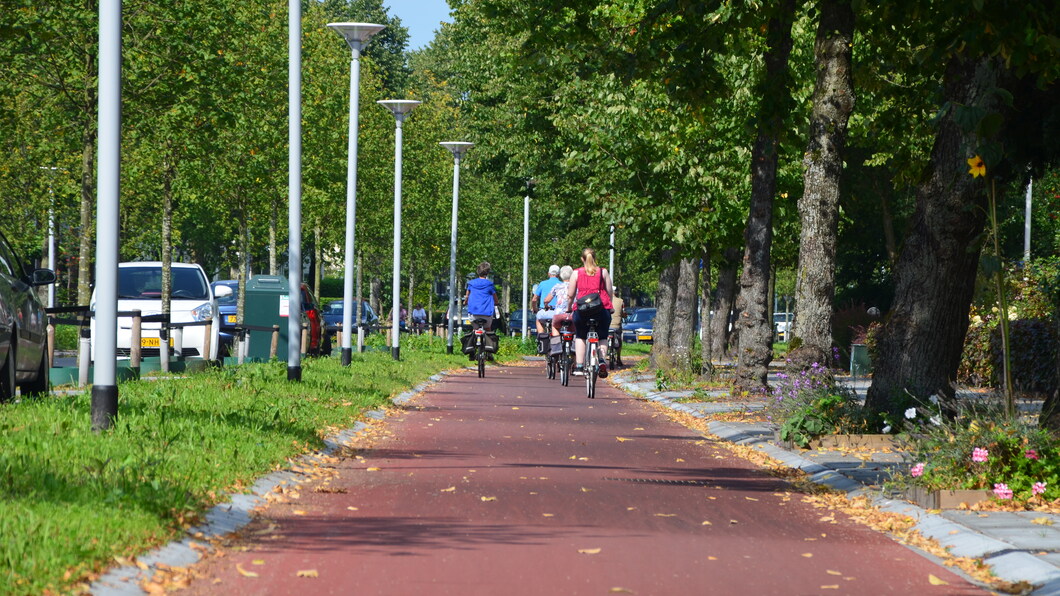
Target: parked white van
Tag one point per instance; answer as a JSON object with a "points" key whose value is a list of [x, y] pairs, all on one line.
{"points": [[140, 288]]}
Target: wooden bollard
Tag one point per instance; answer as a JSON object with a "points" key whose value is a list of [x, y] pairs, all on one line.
{"points": [[135, 350], [275, 345], [208, 331], [51, 344], [305, 339]]}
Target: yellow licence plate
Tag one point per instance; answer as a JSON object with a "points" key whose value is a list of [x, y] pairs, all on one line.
{"points": [[153, 342], [643, 337], [231, 318]]}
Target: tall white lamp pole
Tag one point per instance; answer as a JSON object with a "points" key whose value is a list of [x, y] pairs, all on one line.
{"points": [[611, 257], [294, 189], [526, 252], [458, 149], [108, 191], [400, 108], [357, 36]]}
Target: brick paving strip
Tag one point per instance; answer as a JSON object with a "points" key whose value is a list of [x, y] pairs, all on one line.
{"points": [[515, 485]]}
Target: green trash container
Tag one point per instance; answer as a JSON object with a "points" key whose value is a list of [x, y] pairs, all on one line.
{"points": [[266, 305], [860, 362]]}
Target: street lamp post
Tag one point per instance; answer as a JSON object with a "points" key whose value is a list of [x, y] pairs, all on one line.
{"points": [[458, 149], [526, 251], [357, 36], [294, 189], [108, 191], [400, 108], [611, 256]]}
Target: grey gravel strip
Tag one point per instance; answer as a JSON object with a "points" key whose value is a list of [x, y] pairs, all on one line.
{"points": [[1007, 561], [231, 516]]}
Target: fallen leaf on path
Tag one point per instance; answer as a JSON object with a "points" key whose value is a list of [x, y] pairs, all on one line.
{"points": [[631, 508], [308, 573], [548, 514], [622, 439], [830, 572], [665, 515], [707, 523], [244, 572], [573, 457], [515, 407], [589, 551], [936, 581], [1042, 521], [372, 469], [807, 555], [639, 428], [712, 558], [831, 587], [621, 591], [351, 508], [299, 512], [258, 561], [448, 490], [680, 461], [586, 490], [733, 521], [751, 498], [489, 498], [583, 459]]}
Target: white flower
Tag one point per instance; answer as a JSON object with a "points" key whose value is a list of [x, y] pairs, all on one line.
{"points": [[886, 429], [934, 399], [936, 420], [1013, 315], [910, 413]]}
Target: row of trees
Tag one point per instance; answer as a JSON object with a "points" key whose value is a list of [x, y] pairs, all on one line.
{"points": [[712, 130]]}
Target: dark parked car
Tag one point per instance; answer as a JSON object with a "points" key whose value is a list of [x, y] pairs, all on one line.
{"points": [[23, 326], [226, 313], [515, 323], [333, 317], [639, 326]]}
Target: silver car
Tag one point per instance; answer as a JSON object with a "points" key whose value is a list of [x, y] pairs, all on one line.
{"points": [[23, 326]]}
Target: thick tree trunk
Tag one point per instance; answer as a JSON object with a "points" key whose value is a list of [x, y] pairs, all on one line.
{"points": [[706, 355], [726, 299], [919, 346], [833, 101], [665, 297], [681, 325], [756, 331], [1050, 415]]}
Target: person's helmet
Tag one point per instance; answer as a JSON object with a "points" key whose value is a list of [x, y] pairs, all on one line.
{"points": [[553, 270]]}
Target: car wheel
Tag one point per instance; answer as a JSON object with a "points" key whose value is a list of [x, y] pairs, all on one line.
{"points": [[40, 385], [7, 377]]}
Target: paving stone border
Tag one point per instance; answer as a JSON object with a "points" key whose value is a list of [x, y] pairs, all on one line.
{"points": [[1009, 560], [229, 517]]}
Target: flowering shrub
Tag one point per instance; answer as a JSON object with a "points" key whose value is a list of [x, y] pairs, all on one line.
{"points": [[978, 451], [808, 403]]}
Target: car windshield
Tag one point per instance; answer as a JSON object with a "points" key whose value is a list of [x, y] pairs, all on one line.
{"points": [[781, 317], [641, 316], [145, 283], [335, 308]]}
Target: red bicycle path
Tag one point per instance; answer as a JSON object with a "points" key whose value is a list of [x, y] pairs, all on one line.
{"points": [[515, 485]]}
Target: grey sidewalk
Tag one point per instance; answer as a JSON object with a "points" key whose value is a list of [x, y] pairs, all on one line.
{"points": [[1015, 548]]}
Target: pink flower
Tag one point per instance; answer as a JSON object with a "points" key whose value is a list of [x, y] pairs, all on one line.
{"points": [[917, 470], [980, 455], [1002, 491], [1038, 488], [1031, 454]]}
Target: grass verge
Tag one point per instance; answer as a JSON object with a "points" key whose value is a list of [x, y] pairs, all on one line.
{"points": [[72, 500]]}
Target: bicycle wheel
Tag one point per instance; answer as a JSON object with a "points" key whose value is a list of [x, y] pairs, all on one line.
{"points": [[481, 364], [590, 374], [550, 363], [564, 369]]}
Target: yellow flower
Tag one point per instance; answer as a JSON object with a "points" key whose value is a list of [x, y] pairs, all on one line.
{"points": [[977, 165]]}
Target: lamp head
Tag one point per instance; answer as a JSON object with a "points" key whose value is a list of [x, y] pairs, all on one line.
{"points": [[356, 34], [457, 148], [399, 107]]}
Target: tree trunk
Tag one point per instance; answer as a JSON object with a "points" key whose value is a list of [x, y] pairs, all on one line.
{"points": [[1050, 415], [411, 295], [273, 268], [706, 331], [665, 297], [318, 259], [725, 300], [88, 203], [833, 101], [375, 290], [168, 174], [756, 332], [920, 344], [681, 325]]}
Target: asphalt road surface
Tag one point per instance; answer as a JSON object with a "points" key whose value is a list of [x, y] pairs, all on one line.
{"points": [[514, 485]]}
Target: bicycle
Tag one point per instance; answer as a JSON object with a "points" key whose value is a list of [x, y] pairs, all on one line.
{"points": [[566, 354], [544, 347], [481, 352], [614, 348], [592, 360]]}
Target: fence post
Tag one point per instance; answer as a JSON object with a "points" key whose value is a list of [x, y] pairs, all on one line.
{"points": [[207, 336], [275, 341], [135, 350], [84, 356], [178, 342], [51, 343], [241, 345], [305, 339]]}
